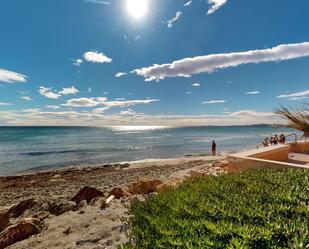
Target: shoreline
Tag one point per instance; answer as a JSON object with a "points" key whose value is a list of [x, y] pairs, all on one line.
{"points": [[186, 157], [88, 225]]}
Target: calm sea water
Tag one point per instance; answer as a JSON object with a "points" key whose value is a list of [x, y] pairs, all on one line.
{"points": [[41, 148]]}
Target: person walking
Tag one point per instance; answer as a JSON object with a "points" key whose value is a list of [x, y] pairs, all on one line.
{"points": [[213, 148]]}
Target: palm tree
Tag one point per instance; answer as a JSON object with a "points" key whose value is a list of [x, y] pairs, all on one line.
{"points": [[298, 118]]}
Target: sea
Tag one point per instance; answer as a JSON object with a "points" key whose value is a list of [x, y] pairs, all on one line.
{"points": [[24, 149]]}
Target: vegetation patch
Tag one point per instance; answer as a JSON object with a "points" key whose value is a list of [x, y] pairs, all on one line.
{"points": [[256, 209]]}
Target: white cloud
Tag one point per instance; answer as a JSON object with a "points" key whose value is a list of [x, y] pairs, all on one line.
{"points": [[102, 101], [252, 93], [48, 93], [295, 96], [54, 107], [96, 57], [120, 74], [4, 103], [11, 77], [251, 113], [84, 102], [170, 22], [188, 92], [215, 5], [69, 90], [127, 103], [215, 101], [120, 99], [127, 112], [210, 63], [188, 3], [27, 98], [98, 118], [196, 84], [52, 94], [77, 62]]}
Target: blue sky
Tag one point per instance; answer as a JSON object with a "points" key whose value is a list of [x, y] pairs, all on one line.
{"points": [[199, 62]]}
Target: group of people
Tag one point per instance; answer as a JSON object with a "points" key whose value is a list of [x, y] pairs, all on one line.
{"points": [[274, 140]]}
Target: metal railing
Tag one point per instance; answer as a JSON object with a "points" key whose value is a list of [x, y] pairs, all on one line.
{"points": [[289, 135]]}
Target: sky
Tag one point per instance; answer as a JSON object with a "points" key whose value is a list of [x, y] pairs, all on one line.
{"points": [[151, 62]]}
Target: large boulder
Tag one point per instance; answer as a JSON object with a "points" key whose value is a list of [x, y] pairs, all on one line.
{"points": [[145, 186], [17, 210], [4, 220], [61, 206], [87, 193], [22, 230], [119, 192]]}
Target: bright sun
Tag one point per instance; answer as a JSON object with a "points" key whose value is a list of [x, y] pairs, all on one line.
{"points": [[137, 8]]}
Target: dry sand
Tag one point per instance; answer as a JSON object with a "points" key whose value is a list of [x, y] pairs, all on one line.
{"points": [[91, 227]]}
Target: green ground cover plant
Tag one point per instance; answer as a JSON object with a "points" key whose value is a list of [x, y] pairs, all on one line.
{"points": [[256, 209]]}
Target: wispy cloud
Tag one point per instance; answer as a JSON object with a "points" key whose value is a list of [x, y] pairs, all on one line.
{"points": [[4, 103], [251, 113], [196, 84], [170, 22], [11, 77], [96, 57], [98, 2], [252, 93], [215, 5], [128, 112], [69, 90], [214, 101], [52, 94], [54, 107], [48, 93], [85, 102], [103, 101], [210, 63], [188, 3], [98, 117], [295, 95], [77, 62], [27, 98], [120, 74]]}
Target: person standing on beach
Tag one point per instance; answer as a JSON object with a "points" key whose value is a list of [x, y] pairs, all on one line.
{"points": [[214, 148]]}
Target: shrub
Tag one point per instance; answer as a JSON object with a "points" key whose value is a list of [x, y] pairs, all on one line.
{"points": [[255, 209]]}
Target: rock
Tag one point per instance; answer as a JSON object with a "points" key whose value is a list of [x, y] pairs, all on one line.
{"points": [[145, 186], [87, 193], [22, 230], [61, 206], [67, 230], [82, 204], [4, 220], [96, 201], [41, 215], [119, 193], [17, 210]]}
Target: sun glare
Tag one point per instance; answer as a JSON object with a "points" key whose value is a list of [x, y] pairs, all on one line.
{"points": [[137, 8]]}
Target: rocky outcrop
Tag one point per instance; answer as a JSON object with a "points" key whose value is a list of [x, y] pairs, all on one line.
{"points": [[61, 206], [145, 186], [87, 193], [119, 192], [4, 220], [22, 230], [17, 210]]}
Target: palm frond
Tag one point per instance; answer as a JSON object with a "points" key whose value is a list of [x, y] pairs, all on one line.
{"points": [[297, 118]]}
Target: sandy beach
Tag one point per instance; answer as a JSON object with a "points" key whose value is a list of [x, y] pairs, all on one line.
{"points": [[87, 225]]}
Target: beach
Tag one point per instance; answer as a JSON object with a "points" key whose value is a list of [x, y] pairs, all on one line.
{"points": [[88, 225]]}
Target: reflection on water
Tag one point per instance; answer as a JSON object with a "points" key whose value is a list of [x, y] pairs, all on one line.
{"points": [[24, 148]]}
